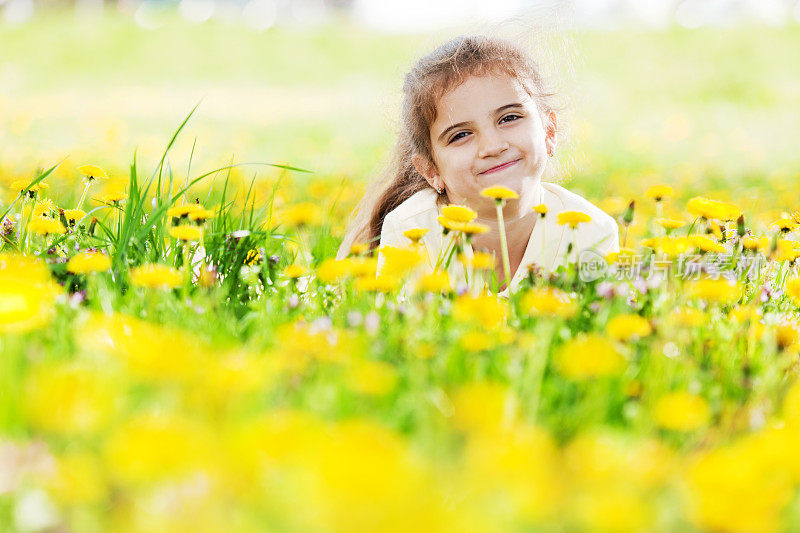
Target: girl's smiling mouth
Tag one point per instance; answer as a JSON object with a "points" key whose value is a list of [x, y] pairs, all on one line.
{"points": [[498, 168]]}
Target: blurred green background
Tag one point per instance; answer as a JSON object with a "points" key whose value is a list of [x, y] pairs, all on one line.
{"points": [[709, 110]]}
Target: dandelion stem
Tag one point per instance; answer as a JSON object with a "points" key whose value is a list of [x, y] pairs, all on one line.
{"points": [[83, 196], [503, 242], [456, 246], [24, 234], [536, 365], [443, 253]]}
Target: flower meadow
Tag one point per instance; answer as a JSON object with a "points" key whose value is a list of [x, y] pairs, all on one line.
{"points": [[185, 353]]}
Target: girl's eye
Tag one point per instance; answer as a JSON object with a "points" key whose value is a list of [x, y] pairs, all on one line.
{"points": [[457, 136], [514, 117]]}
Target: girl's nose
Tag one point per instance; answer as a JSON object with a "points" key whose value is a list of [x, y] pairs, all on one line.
{"points": [[491, 144]]}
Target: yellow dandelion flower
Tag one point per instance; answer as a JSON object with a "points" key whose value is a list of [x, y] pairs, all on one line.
{"points": [[435, 282], [541, 209], [573, 218], [712, 209], [448, 224], [45, 206], [27, 294], [114, 192], [46, 226], [68, 400], [670, 223], [714, 228], [483, 408], [140, 346], [485, 310], [473, 228], [480, 260], [253, 257], [333, 270], [183, 211], [294, 271], [706, 244], [468, 228], [785, 225], [459, 213], [301, 214], [793, 290], [362, 266], [659, 192], [628, 326], [614, 508], [787, 336], [720, 291], [745, 314], [74, 215], [787, 250], [381, 283], [671, 246], [755, 243], [201, 215], [415, 234], [476, 341], [687, 317], [92, 173], [624, 256], [399, 260], [359, 248], [156, 276], [186, 233], [650, 242], [681, 411], [86, 262], [19, 187], [499, 193], [587, 356], [614, 205], [149, 448], [549, 302], [752, 496]]}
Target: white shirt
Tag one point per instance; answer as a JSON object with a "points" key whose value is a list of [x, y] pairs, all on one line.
{"points": [[547, 246]]}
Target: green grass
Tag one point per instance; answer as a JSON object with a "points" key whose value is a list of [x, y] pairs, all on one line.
{"points": [[326, 98]]}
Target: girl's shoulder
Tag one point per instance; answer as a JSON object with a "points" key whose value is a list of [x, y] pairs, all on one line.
{"points": [[571, 201], [419, 207]]}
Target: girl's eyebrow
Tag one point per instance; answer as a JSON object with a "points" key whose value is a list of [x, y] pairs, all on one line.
{"points": [[460, 124]]}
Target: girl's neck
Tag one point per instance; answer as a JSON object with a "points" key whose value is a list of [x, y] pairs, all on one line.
{"points": [[518, 219], [518, 233]]}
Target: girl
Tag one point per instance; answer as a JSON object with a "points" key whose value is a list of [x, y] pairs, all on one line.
{"points": [[476, 113]]}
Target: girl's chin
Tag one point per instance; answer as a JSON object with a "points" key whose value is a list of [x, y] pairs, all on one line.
{"points": [[515, 183]]}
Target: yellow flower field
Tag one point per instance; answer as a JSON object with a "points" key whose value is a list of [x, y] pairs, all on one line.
{"points": [[180, 350], [169, 371]]}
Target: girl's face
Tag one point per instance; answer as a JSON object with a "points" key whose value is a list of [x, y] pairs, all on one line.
{"points": [[488, 131]]}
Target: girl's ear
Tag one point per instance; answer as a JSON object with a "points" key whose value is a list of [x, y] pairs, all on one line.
{"points": [[551, 129], [427, 170]]}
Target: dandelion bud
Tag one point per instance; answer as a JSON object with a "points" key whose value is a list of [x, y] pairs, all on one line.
{"points": [[627, 218], [741, 230], [62, 218], [92, 226]]}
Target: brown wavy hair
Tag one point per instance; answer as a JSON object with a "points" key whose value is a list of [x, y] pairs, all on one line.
{"points": [[446, 67]]}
